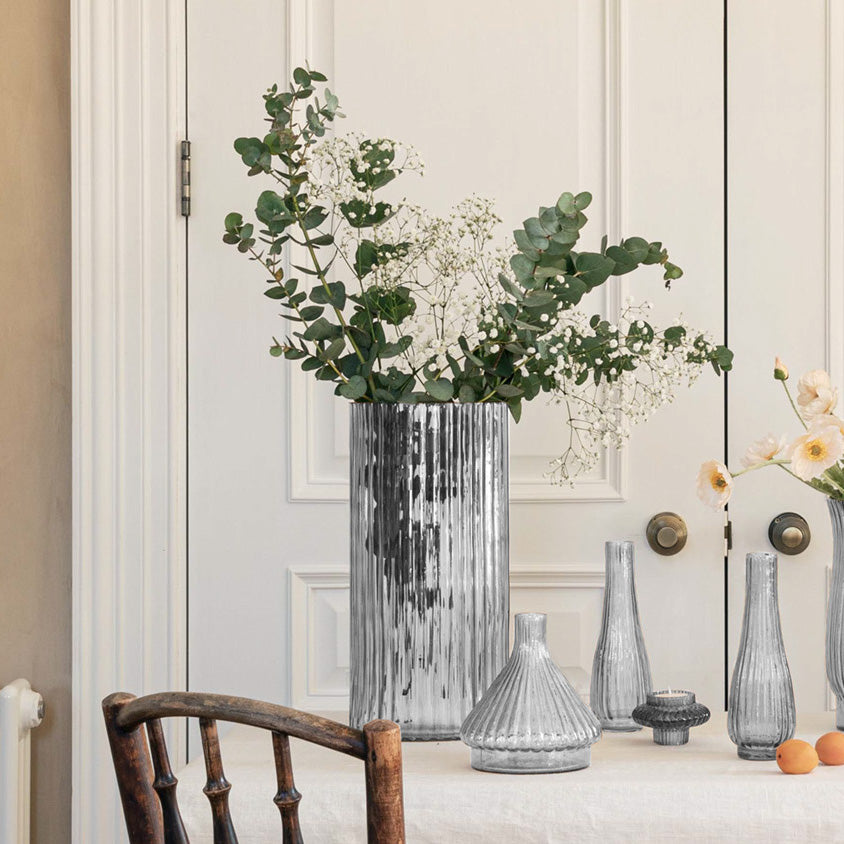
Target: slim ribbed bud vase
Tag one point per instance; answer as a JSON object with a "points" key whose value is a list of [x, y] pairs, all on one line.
{"points": [[761, 713], [429, 562], [621, 672], [835, 613]]}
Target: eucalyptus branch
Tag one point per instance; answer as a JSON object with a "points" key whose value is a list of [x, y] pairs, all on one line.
{"points": [[295, 306], [439, 316]]}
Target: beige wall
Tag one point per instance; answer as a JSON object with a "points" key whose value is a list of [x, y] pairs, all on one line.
{"points": [[35, 386]]}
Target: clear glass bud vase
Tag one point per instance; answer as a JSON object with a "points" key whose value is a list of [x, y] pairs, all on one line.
{"points": [[621, 672], [761, 712], [530, 721], [835, 614], [429, 562]]}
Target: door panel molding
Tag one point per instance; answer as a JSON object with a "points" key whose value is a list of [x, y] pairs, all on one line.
{"points": [[318, 453], [129, 345], [318, 620]]}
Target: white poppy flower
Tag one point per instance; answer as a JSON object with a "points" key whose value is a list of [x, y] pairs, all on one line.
{"points": [[828, 420], [714, 484], [813, 453], [763, 450], [815, 394]]}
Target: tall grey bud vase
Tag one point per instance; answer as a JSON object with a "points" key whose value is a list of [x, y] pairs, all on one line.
{"points": [[761, 713], [621, 672], [835, 613], [429, 562]]}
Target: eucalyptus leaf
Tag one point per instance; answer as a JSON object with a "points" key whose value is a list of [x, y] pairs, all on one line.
{"points": [[582, 200], [441, 389], [525, 245], [301, 77], [511, 288], [566, 204], [522, 266], [391, 350], [508, 391], [311, 313], [334, 349], [322, 329], [466, 394], [355, 388]]}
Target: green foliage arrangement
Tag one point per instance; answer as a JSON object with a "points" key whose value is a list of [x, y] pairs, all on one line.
{"points": [[393, 304]]}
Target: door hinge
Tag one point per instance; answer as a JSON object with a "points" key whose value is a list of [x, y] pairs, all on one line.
{"points": [[185, 171], [728, 535]]}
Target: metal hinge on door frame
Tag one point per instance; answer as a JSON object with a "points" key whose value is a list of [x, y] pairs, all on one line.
{"points": [[185, 177], [728, 533]]}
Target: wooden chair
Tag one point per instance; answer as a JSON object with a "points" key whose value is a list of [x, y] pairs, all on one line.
{"points": [[148, 787]]}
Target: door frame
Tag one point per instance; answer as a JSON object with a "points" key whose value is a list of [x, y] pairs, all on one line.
{"points": [[129, 587], [129, 378]]}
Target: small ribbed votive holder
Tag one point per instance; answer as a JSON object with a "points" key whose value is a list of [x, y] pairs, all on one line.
{"points": [[671, 713]]}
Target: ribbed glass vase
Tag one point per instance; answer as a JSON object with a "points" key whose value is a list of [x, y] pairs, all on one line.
{"points": [[621, 672], [835, 614], [429, 562], [761, 712], [530, 721]]}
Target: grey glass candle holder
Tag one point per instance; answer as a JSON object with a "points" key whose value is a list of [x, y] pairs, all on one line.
{"points": [[671, 713]]}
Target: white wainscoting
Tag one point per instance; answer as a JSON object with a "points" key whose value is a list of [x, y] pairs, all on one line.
{"points": [[318, 615]]}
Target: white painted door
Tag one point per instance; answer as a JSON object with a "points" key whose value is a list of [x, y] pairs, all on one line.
{"points": [[786, 118], [512, 100]]}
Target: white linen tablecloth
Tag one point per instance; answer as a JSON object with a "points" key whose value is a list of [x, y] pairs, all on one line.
{"points": [[635, 791]]}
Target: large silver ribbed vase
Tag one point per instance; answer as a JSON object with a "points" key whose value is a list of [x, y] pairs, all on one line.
{"points": [[429, 562], [835, 611]]}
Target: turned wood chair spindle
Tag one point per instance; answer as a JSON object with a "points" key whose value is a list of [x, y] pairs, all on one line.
{"points": [[287, 798], [148, 787], [165, 785], [217, 787]]}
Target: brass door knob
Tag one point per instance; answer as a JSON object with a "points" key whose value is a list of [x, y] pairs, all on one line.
{"points": [[667, 533], [789, 533]]}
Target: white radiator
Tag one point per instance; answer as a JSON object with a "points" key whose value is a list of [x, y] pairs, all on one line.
{"points": [[21, 709]]}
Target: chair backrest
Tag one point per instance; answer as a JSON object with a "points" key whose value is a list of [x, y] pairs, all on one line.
{"points": [[148, 787]]}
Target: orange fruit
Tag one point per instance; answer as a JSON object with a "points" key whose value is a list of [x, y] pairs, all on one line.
{"points": [[830, 748], [796, 757]]}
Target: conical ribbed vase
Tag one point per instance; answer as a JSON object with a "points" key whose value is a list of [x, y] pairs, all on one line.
{"points": [[530, 721], [761, 712]]}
